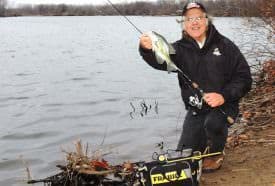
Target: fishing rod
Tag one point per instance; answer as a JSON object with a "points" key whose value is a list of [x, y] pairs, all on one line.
{"points": [[194, 85], [127, 19], [196, 157], [190, 82]]}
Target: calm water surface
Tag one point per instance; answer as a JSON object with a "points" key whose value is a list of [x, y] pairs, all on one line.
{"points": [[69, 78]]}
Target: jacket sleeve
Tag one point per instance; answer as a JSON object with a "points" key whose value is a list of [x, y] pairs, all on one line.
{"points": [[149, 57], [239, 81]]}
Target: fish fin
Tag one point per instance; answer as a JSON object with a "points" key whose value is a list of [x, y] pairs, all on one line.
{"points": [[171, 49], [160, 36], [172, 68]]}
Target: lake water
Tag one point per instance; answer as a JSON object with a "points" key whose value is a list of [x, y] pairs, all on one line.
{"points": [[69, 78]]}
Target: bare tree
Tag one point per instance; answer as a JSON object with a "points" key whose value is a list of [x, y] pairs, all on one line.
{"points": [[3, 4], [267, 12], [249, 8], [262, 33]]}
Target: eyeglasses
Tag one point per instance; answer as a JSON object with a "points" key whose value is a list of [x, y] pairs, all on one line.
{"points": [[193, 19]]}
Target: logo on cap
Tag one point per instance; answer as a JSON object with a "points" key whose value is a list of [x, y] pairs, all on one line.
{"points": [[192, 5]]}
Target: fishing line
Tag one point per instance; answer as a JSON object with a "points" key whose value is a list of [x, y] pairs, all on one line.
{"points": [[128, 20], [190, 82]]}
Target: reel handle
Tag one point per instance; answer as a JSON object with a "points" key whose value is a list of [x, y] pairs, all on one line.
{"points": [[230, 120]]}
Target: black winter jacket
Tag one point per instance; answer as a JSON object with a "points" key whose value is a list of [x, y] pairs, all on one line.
{"points": [[217, 67]]}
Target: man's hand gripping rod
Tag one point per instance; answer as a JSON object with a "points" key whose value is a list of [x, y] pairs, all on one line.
{"points": [[194, 85]]}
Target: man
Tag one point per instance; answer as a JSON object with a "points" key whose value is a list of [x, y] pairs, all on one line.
{"points": [[218, 67]]}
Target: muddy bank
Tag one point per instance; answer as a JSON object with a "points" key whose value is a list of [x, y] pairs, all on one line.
{"points": [[250, 149]]}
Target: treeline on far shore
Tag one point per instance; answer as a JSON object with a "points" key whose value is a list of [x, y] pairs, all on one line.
{"points": [[161, 7]]}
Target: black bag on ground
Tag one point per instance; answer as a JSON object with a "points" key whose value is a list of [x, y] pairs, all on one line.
{"points": [[172, 172]]}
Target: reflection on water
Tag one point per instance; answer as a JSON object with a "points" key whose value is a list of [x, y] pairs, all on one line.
{"points": [[68, 78]]}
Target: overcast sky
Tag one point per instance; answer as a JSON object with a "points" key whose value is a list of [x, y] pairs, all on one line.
{"points": [[17, 2]]}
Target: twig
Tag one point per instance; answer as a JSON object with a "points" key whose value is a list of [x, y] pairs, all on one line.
{"points": [[238, 170], [104, 136], [29, 177]]}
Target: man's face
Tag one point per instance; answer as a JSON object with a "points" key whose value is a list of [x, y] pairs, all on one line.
{"points": [[195, 24]]}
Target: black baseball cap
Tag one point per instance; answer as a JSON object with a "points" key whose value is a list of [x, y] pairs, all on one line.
{"points": [[191, 5]]}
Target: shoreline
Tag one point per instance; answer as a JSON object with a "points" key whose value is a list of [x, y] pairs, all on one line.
{"points": [[257, 108], [251, 142]]}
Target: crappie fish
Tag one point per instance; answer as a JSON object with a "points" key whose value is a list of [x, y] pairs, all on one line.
{"points": [[162, 50]]}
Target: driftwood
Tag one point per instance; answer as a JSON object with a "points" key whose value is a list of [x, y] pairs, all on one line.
{"points": [[81, 169]]}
